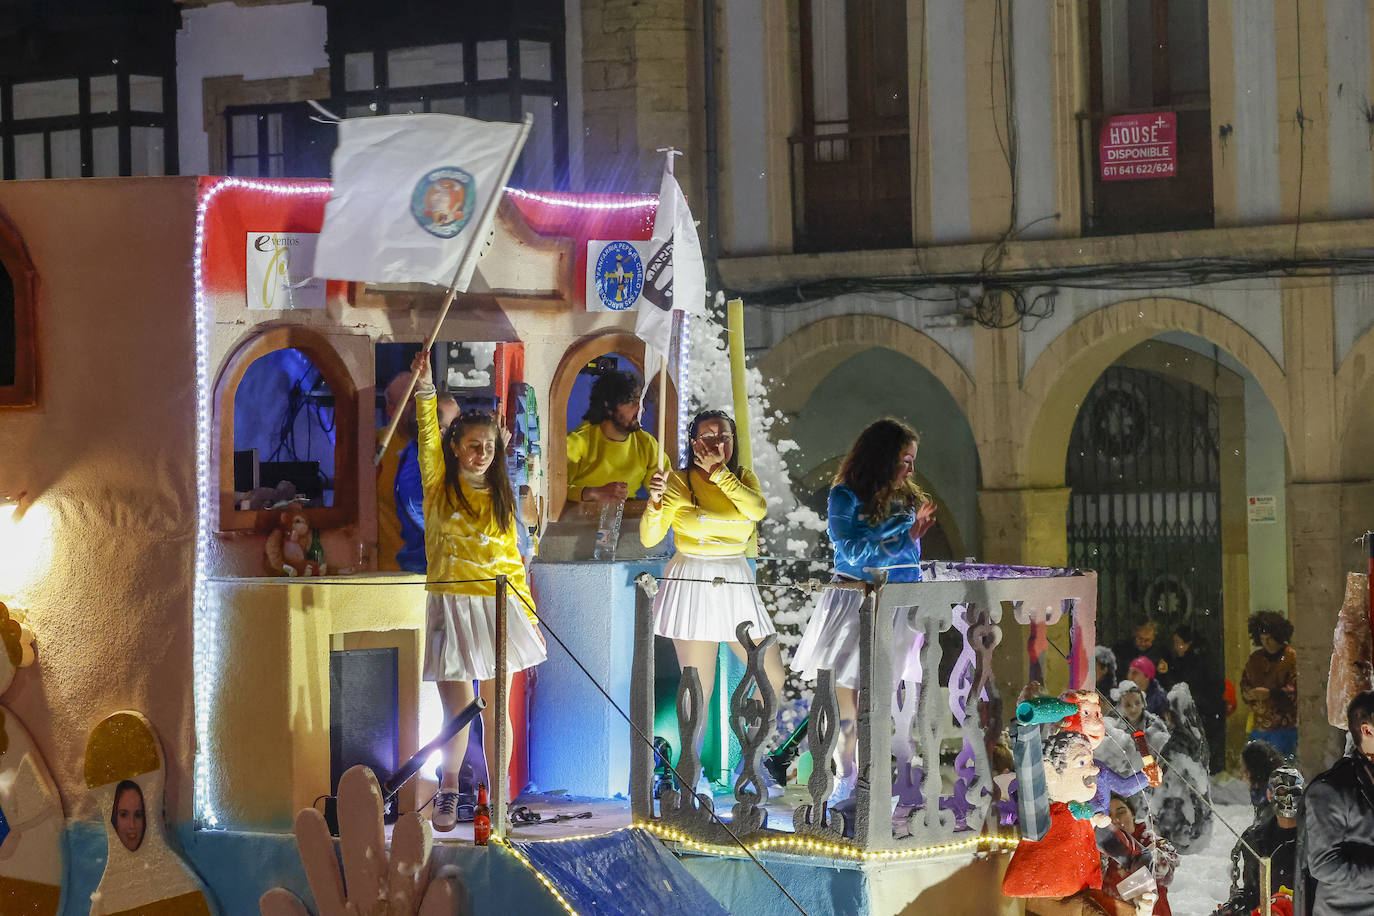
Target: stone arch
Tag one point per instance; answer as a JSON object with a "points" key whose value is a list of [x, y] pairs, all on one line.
{"points": [[1056, 384], [805, 357], [1354, 385]]}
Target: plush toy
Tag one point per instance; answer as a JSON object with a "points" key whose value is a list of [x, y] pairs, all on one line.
{"points": [[294, 549]]}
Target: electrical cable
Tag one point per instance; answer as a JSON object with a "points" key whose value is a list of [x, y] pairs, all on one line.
{"points": [[648, 742]]}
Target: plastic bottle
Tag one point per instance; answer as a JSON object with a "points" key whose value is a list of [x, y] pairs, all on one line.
{"points": [[608, 531], [481, 818]]}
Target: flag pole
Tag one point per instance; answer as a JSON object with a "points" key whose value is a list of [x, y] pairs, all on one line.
{"points": [[462, 276], [663, 393], [669, 152]]}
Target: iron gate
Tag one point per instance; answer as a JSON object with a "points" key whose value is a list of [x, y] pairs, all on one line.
{"points": [[1145, 509]]}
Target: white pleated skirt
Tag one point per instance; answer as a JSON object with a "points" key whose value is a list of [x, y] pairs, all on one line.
{"points": [[702, 611], [460, 638], [831, 640]]}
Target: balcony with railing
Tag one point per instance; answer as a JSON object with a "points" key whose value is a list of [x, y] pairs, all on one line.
{"points": [[926, 721], [1181, 201], [851, 189]]}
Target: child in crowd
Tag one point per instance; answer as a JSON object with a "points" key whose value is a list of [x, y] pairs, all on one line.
{"points": [[1142, 673], [1128, 846], [1131, 716], [1257, 760]]}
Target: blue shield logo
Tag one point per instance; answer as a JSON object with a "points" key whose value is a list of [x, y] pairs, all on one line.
{"points": [[619, 276]]}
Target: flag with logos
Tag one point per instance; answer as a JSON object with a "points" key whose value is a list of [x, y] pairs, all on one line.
{"points": [[674, 273], [413, 196]]}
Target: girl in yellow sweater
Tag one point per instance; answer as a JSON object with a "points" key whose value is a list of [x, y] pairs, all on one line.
{"points": [[712, 506], [470, 538]]}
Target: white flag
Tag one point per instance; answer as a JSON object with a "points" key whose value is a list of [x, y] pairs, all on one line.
{"points": [[675, 274], [412, 194]]}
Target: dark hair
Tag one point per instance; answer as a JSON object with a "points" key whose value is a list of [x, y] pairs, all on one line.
{"points": [[1186, 633], [609, 391], [1261, 759], [692, 428], [1359, 712], [502, 497], [124, 786], [869, 467], [1130, 805], [1058, 745], [1271, 623]]}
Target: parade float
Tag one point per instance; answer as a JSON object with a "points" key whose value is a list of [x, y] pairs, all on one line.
{"points": [[143, 532]]}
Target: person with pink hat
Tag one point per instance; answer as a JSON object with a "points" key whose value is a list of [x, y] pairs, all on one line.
{"points": [[1142, 674]]}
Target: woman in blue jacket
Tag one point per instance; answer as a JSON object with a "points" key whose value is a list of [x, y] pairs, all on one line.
{"points": [[876, 517]]}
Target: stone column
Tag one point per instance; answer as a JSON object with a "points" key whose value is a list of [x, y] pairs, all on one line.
{"points": [[1315, 594]]}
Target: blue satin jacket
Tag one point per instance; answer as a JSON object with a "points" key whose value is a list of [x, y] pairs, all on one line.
{"points": [[859, 544]]}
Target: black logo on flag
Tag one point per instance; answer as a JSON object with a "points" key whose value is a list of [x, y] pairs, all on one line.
{"points": [[658, 276]]}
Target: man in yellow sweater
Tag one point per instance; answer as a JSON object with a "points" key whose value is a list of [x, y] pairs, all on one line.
{"points": [[609, 456]]}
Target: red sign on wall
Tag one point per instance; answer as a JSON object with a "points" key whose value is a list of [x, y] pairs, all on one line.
{"points": [[1139, 146]]}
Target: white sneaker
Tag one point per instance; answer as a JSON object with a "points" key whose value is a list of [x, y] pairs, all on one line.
{"points": [[445, 816], [844, 788]]}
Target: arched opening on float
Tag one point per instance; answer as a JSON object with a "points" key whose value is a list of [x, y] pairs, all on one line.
{"points": [[332, 400], [569, 377]]}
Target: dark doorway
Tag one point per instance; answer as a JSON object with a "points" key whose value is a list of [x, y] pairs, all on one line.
{"points": [[1145, 510]]}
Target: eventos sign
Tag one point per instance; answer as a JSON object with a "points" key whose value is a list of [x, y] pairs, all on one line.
{"points": [[1139, 146]]}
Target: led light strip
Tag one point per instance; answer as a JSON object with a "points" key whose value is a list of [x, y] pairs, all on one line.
{"points": [[634, 203], [684, 395], [205, 621], [804, 846], [543, 879]]}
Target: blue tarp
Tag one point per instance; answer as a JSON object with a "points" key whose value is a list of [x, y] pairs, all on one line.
{"points": [[626, 873]]}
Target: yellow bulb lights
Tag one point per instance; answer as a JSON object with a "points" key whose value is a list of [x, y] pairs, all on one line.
{"points": [[793, 844]]}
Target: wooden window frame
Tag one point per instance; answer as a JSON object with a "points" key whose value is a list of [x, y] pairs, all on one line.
{"points": [[621, 343], [346, 418], [14, 258]]}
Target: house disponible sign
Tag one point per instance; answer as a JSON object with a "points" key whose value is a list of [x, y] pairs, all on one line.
{"points": [[1139, 146]]}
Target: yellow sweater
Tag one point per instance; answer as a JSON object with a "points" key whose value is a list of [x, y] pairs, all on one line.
{"points": [[594, 460], [459, 545], [719, 525], [389, 541]]}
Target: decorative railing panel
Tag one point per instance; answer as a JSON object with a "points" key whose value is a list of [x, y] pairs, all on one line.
{"points": [[904, 716]]}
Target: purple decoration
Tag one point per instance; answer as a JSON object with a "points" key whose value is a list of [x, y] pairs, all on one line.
{"points": [[957, 805], [1006, 813], [936, 571], [907, 786]]}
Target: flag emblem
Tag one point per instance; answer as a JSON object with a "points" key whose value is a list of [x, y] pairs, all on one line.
{"points": [[442, 201], [619, 276]]}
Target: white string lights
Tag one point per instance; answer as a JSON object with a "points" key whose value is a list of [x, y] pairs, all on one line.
{"points": [[204, 614]]}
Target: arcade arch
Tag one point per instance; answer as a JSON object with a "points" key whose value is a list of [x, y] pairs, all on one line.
{"points": [[827, 368]]}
